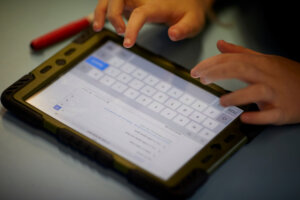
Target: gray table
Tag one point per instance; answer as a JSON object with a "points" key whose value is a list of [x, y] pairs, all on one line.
{"points": [[33, 165]]}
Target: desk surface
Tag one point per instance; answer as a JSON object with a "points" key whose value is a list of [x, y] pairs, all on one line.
{"points": [[33, 165]]}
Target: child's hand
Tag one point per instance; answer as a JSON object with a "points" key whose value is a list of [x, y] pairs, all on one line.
{"points": [[274, 83], [185, 18]]}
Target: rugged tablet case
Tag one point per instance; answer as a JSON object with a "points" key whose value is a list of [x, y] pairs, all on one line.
{"points": [[181, 191]]}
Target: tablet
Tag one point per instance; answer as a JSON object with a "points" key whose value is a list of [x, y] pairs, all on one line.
{"points": [[132, 111]]}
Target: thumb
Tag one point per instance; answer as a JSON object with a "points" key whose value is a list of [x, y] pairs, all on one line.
{"points": [[225, 47]]}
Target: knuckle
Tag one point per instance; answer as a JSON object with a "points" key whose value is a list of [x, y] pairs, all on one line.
{"points": [[241, 68], [261, 90], [223, 58], [191, 29], [111, 17], [264, 91], [223, 71], [138, 11], [278, 117], [100, 9], [195, 28]]}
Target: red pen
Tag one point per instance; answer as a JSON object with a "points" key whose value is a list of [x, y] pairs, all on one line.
{"points": [[61, 33]]}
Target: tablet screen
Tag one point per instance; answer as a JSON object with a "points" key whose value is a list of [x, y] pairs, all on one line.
{"points": [[138, 110]]}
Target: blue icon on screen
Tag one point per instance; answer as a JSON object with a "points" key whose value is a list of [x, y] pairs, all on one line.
{"points": [[96, 62], [57, 107]]}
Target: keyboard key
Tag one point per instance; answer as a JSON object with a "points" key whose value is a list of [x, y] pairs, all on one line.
{"points": [[115, 61], [194, 127], [185, 110], [207, 134], [124, 54], [107, 80], [95, 73], [233, 111], [173, 104], [199, 105], [224, 118], [201, 139], [143, 100], [151, 80], [148, 90], [211, 112], [155, 106], [160, 97], [125, 78], [128, 68], [197, 117], [168, 113], [96, 62], [176, 93], [131, 93], [139, 74], [210, 123], [111, 46], [119, 87], [187, 99], [163, 86], [218, 106], [136, 84], [181, 120], [112, 71], [103, 55]]}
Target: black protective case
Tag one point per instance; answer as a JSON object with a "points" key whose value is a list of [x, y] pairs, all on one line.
{"points": [[181, 191]]}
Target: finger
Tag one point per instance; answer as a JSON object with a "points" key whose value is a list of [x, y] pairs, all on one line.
{"points": [[272, 116], [214, 60], [226, 47], [100, 13], [187, 26], [136, 20], [232, 70], [232, 53], [220, 59], [114, 15], [251, 94]]}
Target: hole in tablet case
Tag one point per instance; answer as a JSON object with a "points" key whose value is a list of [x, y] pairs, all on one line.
{"points": [[69, 52], [207, 158], [229, 138], [216, 146], [60, 62], [45, 69]]}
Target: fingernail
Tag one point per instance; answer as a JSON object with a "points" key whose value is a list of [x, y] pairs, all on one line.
{"points": [[120, 31], [195, 74], [96, 27], [127, 43], [245, 118], [174, 34], [223, 102], [205, 81]]}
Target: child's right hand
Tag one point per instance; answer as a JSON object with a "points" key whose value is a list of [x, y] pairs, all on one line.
{"points": [[273, 83], [185, 18]]}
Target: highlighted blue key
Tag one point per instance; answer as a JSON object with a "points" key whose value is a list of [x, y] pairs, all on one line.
{"points": [[96, 62], [57, 107]]}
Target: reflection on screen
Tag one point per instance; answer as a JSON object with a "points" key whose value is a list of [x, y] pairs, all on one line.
{"points": [[140, 111]]}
